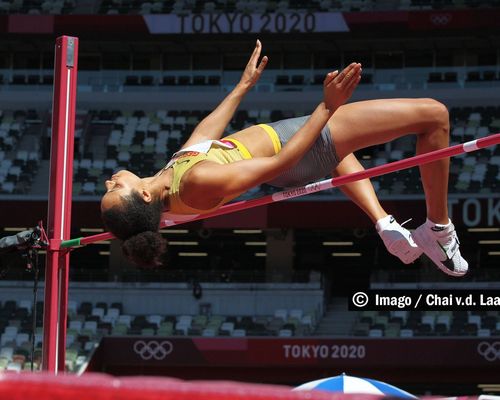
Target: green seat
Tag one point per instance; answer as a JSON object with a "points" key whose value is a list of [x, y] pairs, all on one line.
{"points": [[71, 356], [294, 321], [3, 363], [77, 187], [147, 332], [393, 333], [381, 319], [167, 324], [200, 321], [27, 366], [165, 331], [119, 329], [369, 314]]}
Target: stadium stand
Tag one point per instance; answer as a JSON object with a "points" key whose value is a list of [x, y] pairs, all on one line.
{"points": [[143, 141], [124, 122], [427, 323], [89, 322], [120, 7]]}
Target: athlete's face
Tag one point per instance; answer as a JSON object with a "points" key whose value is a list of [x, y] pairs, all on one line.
{"points": [[120, 185]]}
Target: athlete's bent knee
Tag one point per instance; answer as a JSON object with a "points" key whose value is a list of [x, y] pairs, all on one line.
{"points": [[437, 114]]}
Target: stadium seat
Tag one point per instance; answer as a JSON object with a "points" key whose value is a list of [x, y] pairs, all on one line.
{"points": [[484, 332], [297, 313], [361, 329], [11, 330], [406, 333], [97, 311], [282, 314], [375, 333], [14, 367], [238, 333], [155, 319], [475, 320], [285, 333], [90, 326], [6, 353], [226, 328], [22, 338], [125, 320], [119, 329]]}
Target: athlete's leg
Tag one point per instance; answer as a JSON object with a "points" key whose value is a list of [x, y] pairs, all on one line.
{"points": [[358, 125], [360, 192], [367, 123], [397, 239]]}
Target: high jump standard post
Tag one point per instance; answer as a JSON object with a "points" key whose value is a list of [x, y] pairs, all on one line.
{"points": [[59, 207]]}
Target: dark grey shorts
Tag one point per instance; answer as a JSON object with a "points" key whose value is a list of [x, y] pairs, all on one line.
{"points": [[319, 161]]}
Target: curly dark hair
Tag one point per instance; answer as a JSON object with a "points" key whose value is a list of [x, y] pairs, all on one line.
{"points": [[136, 222]]}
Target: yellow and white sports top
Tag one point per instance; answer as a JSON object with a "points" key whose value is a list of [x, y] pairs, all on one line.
{"points": [[223, 151], [219, 151]]}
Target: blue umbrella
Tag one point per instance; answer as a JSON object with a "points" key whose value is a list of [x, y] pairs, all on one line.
{"points": [[351, 384]]}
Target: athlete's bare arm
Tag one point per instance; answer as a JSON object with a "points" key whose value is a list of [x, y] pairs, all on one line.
{"points": [[231, 179], [212, 127]]}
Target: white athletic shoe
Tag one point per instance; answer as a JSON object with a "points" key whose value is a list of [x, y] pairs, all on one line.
{"points": [[398, 240], [440, 243]]}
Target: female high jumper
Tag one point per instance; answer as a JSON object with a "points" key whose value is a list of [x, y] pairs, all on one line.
{"points": [[209, 171]]}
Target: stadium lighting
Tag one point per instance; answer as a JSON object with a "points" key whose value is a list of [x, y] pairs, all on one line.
{"points": [[247, 231], [15, 229], [255, 243], [91, 230], [489, 387], [346, 254], [104, 253], [484, 229], [194, 254], [260, 254], [183, 243], [338, 243], [175, 231], [489, 242]]}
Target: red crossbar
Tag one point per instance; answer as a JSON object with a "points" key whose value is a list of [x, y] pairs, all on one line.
{"points": [[169, 220]]}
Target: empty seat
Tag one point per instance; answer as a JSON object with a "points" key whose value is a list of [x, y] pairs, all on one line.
{"points": [[296, 313], [375, 333], [76, 325], [238, 333], [285, 333], [90, 326], [281, 313], [282, 80], [435, 77], [131, 80], [406, 333], [22, 338], [209, 332], [98, 312], [169, 80], [473, 76]]}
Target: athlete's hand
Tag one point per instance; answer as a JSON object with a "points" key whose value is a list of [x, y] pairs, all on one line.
{"points": [[253, 72], [338, 87]]}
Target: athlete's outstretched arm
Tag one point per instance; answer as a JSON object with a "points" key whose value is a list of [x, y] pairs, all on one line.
{"points": [[213, 125], [234, 178]]}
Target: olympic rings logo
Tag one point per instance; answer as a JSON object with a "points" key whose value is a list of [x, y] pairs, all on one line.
{"points": [[490, 351], [153, 349], [440, 19]]}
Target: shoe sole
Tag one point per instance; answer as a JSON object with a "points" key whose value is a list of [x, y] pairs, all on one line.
{"points": [[423, 241], [395, 247]]}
